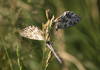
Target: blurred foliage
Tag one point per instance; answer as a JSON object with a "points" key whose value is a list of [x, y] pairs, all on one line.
{"points": [[81, 41]]}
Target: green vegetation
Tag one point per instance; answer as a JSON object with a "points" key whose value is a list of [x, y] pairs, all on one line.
{"points": [[78, 46]]}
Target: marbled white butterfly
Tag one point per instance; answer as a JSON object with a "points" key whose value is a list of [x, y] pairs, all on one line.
{"points": [[32, 32], [67, 19]]}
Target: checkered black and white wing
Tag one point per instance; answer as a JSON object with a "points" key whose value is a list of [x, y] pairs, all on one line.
{"points": [[67, 19], [32, 32]]}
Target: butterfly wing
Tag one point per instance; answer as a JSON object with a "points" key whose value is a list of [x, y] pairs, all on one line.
{"points": [[32, 32], [67, 19]]}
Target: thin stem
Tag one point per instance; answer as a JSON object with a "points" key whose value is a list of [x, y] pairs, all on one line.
{"points": [[53, 51], [47, 61], [10, 62], [46, 58], [18, 59]]}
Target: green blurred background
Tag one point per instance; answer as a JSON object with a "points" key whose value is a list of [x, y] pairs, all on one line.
{"points": [[79, 45]]}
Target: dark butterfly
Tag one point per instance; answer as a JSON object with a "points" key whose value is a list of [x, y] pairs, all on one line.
{"points": [[67, 19]]}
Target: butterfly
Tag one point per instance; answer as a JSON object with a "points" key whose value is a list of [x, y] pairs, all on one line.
{"points": [[32, 32], [67, 19]]}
